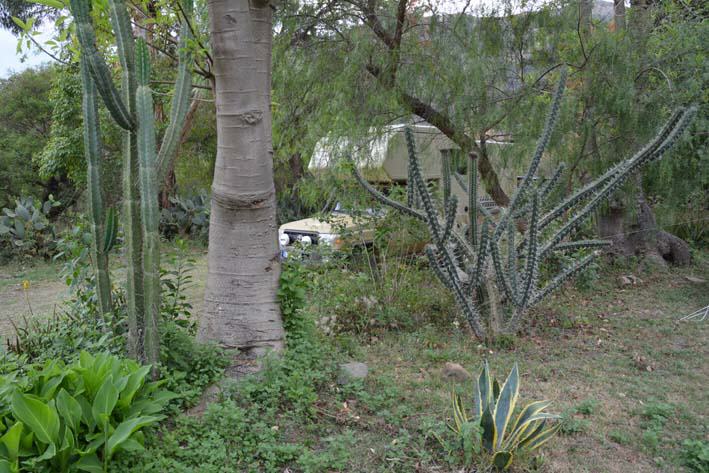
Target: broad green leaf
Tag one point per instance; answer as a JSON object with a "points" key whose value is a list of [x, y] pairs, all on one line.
{"points": [[19, 23], [105, 401], [11, 441], [86, 414], [69, 409], [50, 387], [89, 463], [20, 210], [6, 467], [42, 419], [19, 229], [135, 381], [505, 405], [153, 405], [132, 445], [49, 3], [48, 454], [26, 445], [125, 429]]}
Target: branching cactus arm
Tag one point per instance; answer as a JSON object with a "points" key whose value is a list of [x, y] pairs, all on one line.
{"points": [[81, 10]]}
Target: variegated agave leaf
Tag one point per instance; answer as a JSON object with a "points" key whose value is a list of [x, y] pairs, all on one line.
{"points": [[505, 405], [502, 460]]}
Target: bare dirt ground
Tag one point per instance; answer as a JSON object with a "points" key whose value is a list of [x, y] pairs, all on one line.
{"points": [[47, 290]]}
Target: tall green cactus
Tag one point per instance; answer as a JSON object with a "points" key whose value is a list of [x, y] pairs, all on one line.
{"points": [[92, 150], [149, 211], [132, 109], [133, 235], [517, 280]]}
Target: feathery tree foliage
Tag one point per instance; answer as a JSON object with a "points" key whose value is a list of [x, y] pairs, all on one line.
{"points": [[500, 264], [485, 71]]}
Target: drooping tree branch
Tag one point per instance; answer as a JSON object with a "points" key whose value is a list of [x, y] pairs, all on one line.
{"points": [[423, 109]]}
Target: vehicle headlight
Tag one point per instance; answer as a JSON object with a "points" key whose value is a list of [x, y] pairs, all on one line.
{"points": [[330, 239], [306, 240], [283, 239]]}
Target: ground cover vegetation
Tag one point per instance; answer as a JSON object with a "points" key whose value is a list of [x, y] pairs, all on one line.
{"points": [[601, 375]]}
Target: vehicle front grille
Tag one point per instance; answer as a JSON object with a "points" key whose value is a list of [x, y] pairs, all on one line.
{"points": [[296, 236]]}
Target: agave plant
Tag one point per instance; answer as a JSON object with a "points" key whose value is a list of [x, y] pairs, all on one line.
{"points": [[493, 412]]}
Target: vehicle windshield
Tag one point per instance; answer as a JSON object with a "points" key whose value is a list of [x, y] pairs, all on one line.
{"points": [[340, 210]]}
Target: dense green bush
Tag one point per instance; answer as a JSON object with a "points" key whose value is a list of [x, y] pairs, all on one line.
{"points": [[247, 429], [25, 230], [368, 299], [695, 454], [186, 366], [68, 417], [186, 217]]}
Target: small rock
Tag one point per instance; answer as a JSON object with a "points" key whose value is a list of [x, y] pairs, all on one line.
{"points": [[353, 371], [695, 280], [625, 281], [210, 395], [629, 280], [456, 372]]}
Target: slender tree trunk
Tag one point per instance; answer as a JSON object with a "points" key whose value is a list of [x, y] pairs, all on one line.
{"points": [[637, 233], [242, 311]]}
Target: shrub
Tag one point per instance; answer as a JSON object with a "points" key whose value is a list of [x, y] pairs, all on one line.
{"points": [[490, 432], [355, 300], [187, 216], [25, 231], [67, 417], [187, 366], [695, 454]]}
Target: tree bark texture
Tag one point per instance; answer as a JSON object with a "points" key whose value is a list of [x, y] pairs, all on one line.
{"points": [[241, 307]]}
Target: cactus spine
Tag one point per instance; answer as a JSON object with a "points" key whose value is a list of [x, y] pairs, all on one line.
{"points": [[468, 275], [132, 109], [92, 151]]}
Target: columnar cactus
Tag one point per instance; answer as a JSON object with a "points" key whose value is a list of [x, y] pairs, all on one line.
{"points": [[132, 110], [102, 240], [500, 250]]}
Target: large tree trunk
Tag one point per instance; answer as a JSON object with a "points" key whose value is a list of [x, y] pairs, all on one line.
{"points": [[241, 308]]}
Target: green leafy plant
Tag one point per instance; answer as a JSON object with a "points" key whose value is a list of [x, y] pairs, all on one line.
{"points": [[492, 428], [175, 279], [291, 292], [25, 230], [695, 454], [186, 217], [76, 417]]}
